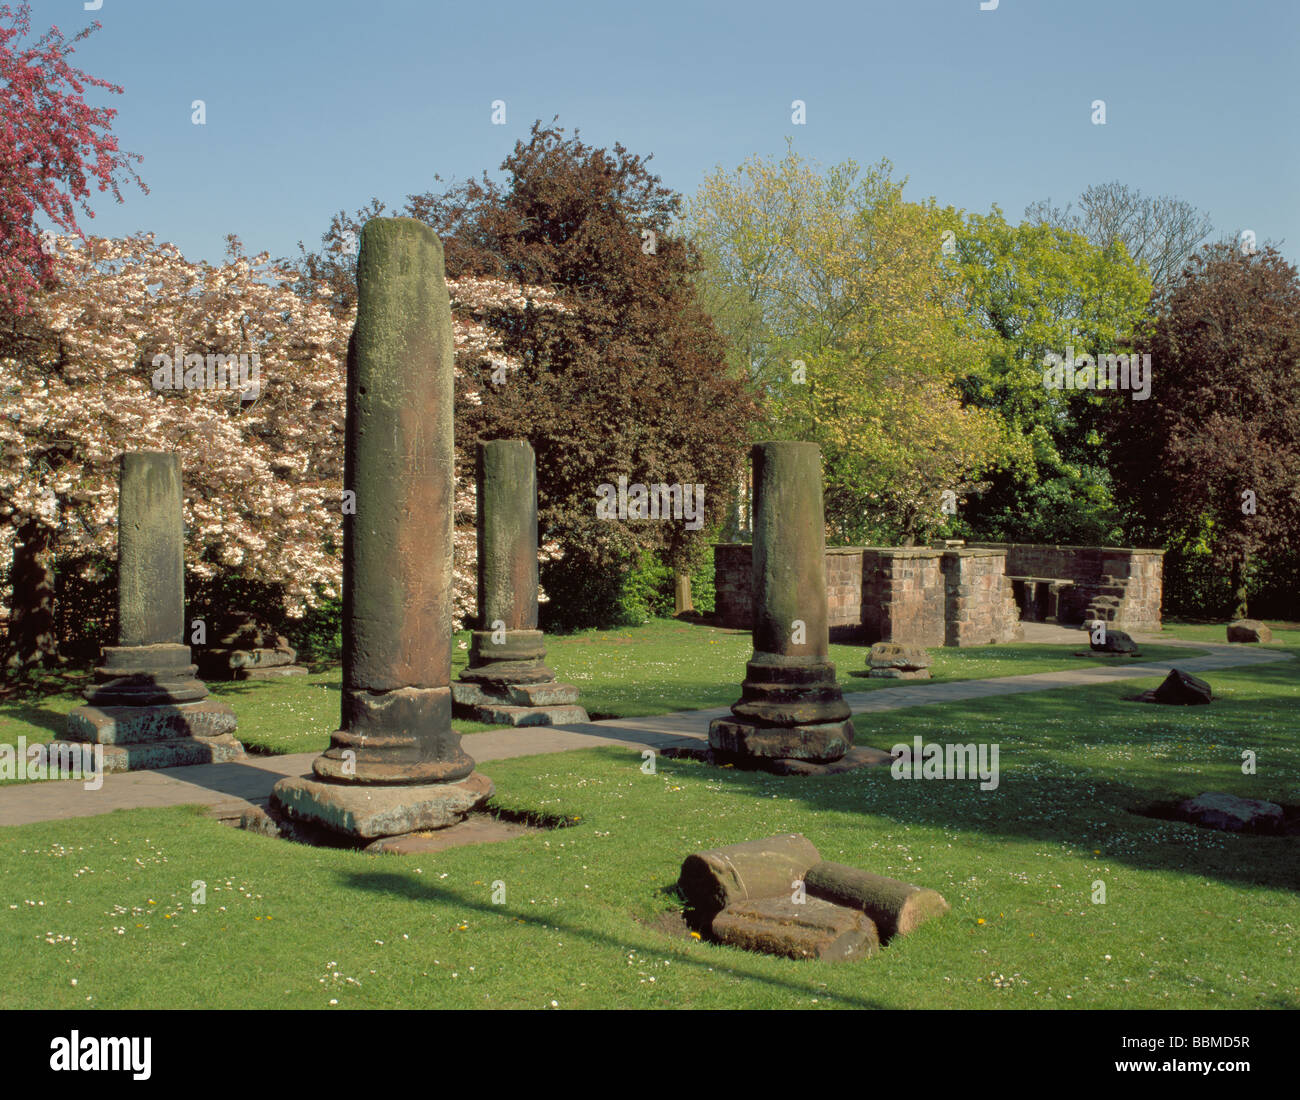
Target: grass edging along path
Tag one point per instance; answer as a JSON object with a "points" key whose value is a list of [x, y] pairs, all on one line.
{"points": [[1192, 918], [659, 668]]}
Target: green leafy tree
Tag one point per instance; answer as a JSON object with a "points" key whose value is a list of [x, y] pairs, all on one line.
{"points": [[1035, 289], [838, 298]]}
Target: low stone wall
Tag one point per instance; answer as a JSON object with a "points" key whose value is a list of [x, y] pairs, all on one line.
{"points": [[1122, 585], [733, 583], [912, 596], [980, 606], [902, 596], [844, 591]]}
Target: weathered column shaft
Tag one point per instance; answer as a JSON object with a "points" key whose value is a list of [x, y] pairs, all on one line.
{"points": [[789, 550], [397, 555], [150, 551], [507, 647], [506, 680], [507, 534]]}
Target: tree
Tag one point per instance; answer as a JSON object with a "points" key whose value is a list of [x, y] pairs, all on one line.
{"points": [[836, 296], [615, 372], [1160, 233], [1035, 289], [52, 146], [1215, 452]]}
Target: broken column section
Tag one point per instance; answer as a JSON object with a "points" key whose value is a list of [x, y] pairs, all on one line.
{"points": [[791, 709], [147, 708], [507, 680], [396, 765]]}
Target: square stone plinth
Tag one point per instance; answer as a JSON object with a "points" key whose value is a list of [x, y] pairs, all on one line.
{"points": [[176, 752], [820, 743], [141, 725], [546, 704], [372, 810], [550, 694]]}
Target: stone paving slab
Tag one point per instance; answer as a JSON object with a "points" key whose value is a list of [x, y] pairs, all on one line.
{"points": [[249, 782]]}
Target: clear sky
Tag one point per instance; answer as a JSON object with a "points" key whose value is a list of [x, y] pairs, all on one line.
{"points": [[313, 107]]}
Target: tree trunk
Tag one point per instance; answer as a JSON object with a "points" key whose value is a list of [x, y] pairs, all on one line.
{"points": [[682, 593], [1239, 585], [32, 639]]}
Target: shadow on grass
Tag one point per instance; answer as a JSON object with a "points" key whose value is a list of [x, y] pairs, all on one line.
{"points": [[379, 882], [1079, 767], [56, 721]]}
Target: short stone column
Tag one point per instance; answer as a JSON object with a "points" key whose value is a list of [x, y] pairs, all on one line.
{"points": [[395, 765], [507, 681], [791, 707], [146, 707]]}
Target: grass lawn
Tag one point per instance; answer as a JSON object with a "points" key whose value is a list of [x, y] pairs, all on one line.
{"points": [[663, 666], [1192, 919]]}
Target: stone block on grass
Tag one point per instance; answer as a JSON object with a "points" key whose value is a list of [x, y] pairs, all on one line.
{"points": [[713, 879], [810, 929], [1249, 630], [1232, 814], [895, 907]]}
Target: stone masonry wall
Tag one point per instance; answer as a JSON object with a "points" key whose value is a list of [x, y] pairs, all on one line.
{"points": [[901, 596], [980, 606], [931, 597], [844, 592], [1121, 585], [913, 596]]}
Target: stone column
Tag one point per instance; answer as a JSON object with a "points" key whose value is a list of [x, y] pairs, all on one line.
{"points": [[791, 707], [395, 765], [507, 680], [146, 706]]}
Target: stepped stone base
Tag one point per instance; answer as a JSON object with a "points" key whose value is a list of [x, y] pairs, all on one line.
{"points": [[375, 811], [546, 704], [177, 752], [137, 725], [822, 743]]}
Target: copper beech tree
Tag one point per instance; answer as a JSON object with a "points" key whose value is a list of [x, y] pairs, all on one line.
{"points": [[602, 358], [1214, 455], [628, 379]]}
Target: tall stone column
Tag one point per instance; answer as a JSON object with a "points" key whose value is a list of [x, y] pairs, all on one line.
{"points": [[791, 707], [395, 765], [146, 707], [507, 680]]}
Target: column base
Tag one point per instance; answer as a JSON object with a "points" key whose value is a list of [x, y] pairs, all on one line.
{"points": [[545, 704], [147, 738], [820, 744], [135, 725], [369, 812]]}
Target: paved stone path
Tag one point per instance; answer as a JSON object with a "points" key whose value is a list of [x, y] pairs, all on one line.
{"points": [[230, 788]]}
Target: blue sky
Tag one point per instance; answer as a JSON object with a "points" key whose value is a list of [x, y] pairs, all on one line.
{"points": [[316, 107]]}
